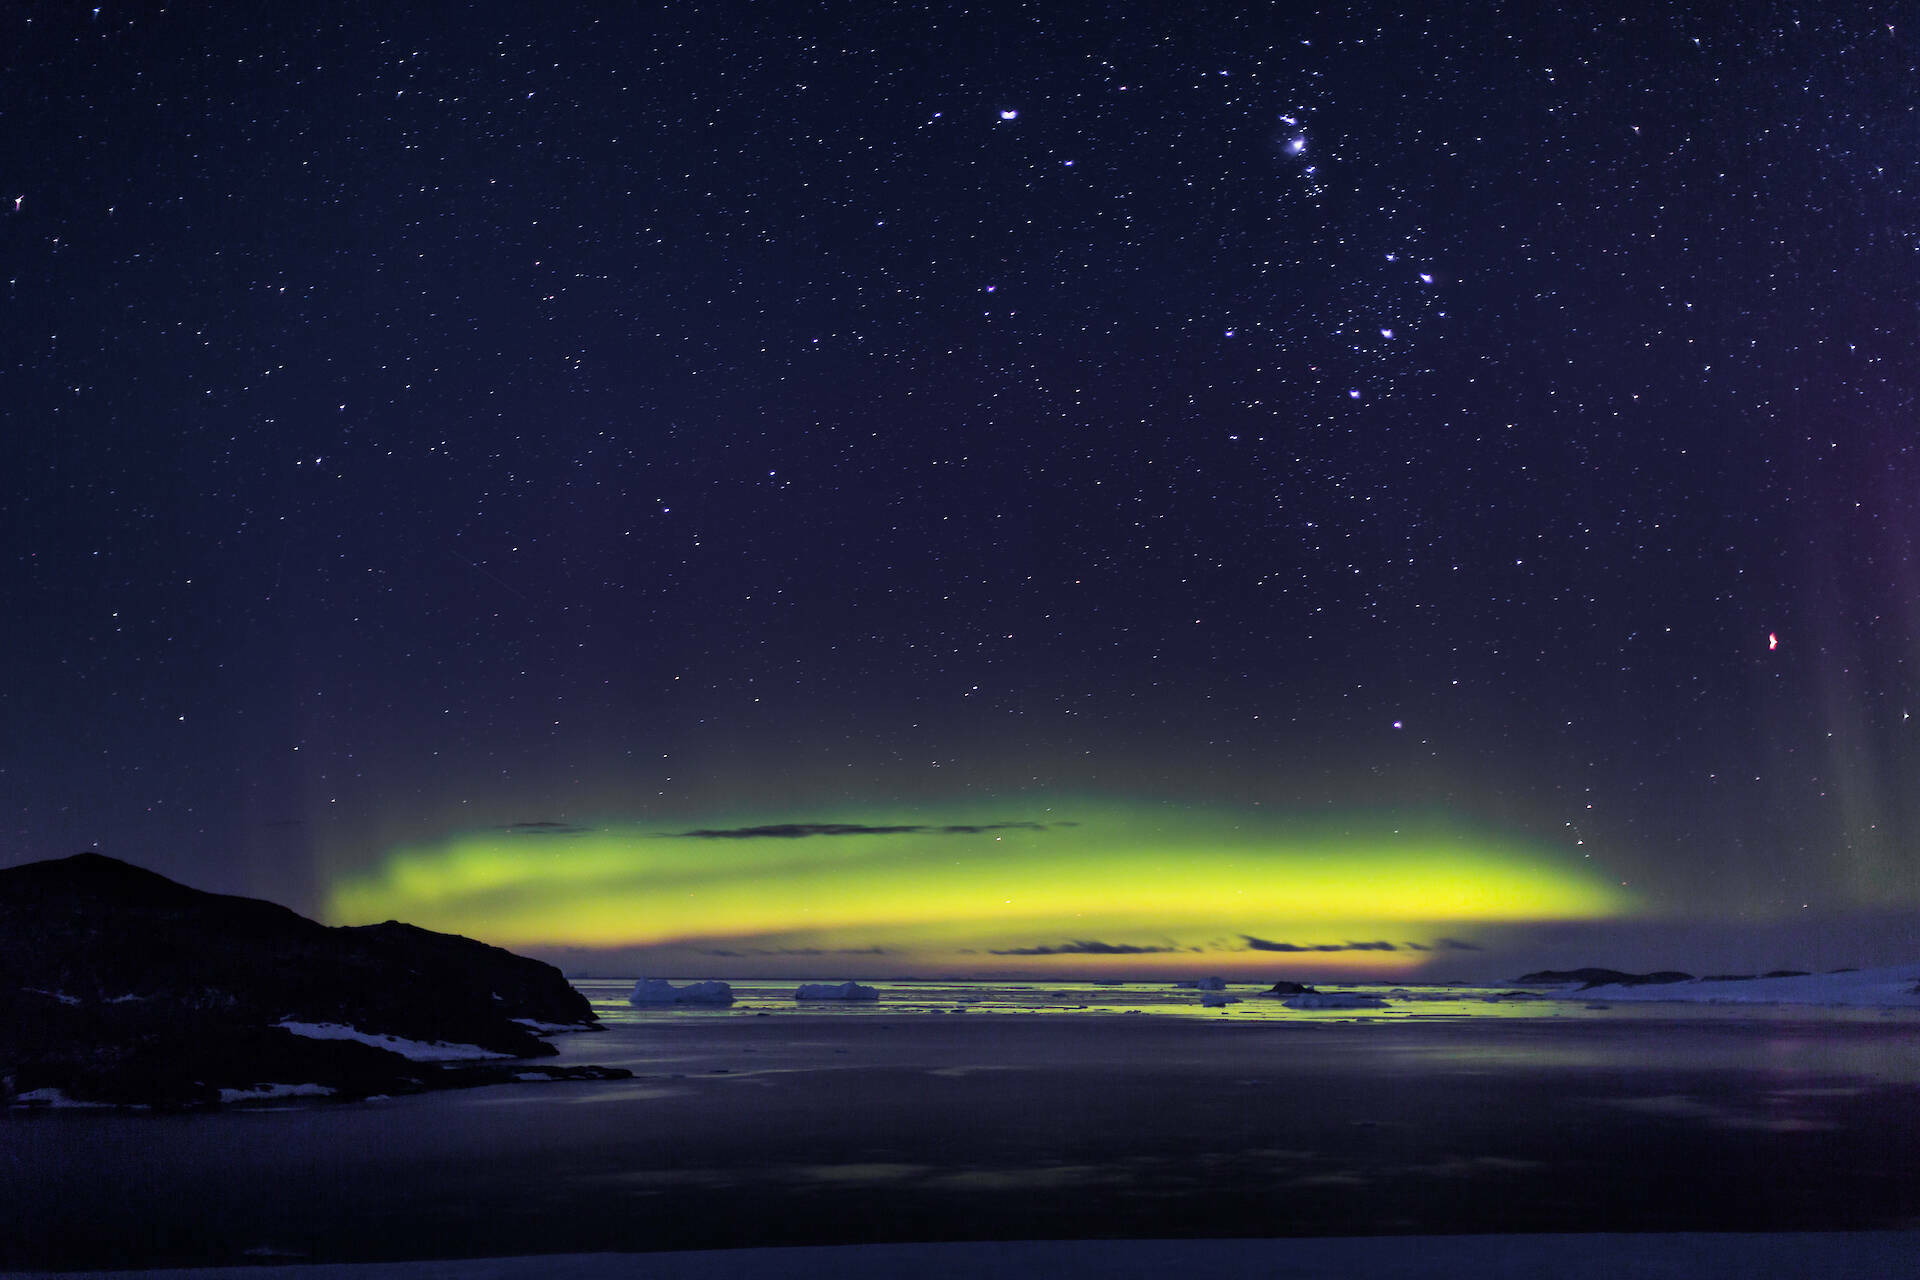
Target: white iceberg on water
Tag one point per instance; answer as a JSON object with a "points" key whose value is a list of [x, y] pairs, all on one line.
{"points": [[1335, 1000], [1204, 984], [835, 991], [654, 991]]}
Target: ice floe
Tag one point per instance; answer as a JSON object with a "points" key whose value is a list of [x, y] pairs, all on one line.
{"points": [[1335, 1000], [658, 991], [268, 1092], [52, 1098], [835, 991]]}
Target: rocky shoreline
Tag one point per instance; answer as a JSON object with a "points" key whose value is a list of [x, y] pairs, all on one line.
{"points": [[121, 987]]}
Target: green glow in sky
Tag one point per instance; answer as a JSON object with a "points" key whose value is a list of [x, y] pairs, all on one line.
{"points": [[1155, 883]]}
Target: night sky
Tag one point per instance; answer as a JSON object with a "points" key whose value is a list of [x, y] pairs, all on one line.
{"points": [[857, 488]]}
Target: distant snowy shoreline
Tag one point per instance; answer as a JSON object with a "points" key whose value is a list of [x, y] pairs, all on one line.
{"points": [[1895, 987]]}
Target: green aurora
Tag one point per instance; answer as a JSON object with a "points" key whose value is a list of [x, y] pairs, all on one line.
{"points": [[1115, 886]]}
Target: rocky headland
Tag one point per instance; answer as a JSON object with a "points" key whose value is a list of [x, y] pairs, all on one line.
{"points": [[120, 986], [1593, 977]]}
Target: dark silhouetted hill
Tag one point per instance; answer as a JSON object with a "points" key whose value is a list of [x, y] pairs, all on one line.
{"points": [[120, 985], [1605, 977]]}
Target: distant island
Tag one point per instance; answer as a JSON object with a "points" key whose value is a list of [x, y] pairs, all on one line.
{"points": [[1890, 987], [119, 986], [1591, 977]]}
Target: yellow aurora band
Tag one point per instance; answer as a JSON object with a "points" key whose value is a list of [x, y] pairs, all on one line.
{"points": [[985, 892]]}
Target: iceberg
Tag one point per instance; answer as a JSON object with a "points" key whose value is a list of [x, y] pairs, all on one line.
{"points": [[1335, 1000], [656, 991], [835, 991], [1204, 984], [1210, 999]]}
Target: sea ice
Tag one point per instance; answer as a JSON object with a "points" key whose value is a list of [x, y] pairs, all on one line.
{"points": [[835, 991], [267, 1092], [51, 1097], [652, 991], [1214, 999], [1335, 1000]]}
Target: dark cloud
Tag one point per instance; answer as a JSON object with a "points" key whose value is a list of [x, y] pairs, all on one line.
{"points": [[801, 830], [796, 951], [1455, 944], [1085, 947], [544, 829], [1416, 946], [1262, 944]]}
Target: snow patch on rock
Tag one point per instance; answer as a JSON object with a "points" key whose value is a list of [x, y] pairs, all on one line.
{"points": [[412, 1050], [551, 1028]]}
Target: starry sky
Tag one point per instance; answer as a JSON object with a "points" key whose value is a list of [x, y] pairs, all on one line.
{"points": [[978, 487]]}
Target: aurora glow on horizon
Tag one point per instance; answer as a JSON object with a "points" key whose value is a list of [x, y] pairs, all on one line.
{"points": [[1241, 433], [1085, 887]]}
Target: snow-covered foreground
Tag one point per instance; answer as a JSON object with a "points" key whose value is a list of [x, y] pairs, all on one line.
{"points": [[1690, 1256], [1896, 987]]}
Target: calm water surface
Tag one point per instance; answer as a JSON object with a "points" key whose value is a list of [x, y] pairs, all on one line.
{"points": [[1163, 999], [1046, 1110]]}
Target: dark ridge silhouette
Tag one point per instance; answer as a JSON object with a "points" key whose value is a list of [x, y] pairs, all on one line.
{"points": [[120, 985], [1605, 977]]}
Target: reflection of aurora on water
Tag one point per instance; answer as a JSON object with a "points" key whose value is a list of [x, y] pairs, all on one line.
{"points": [[1107, 885]]}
